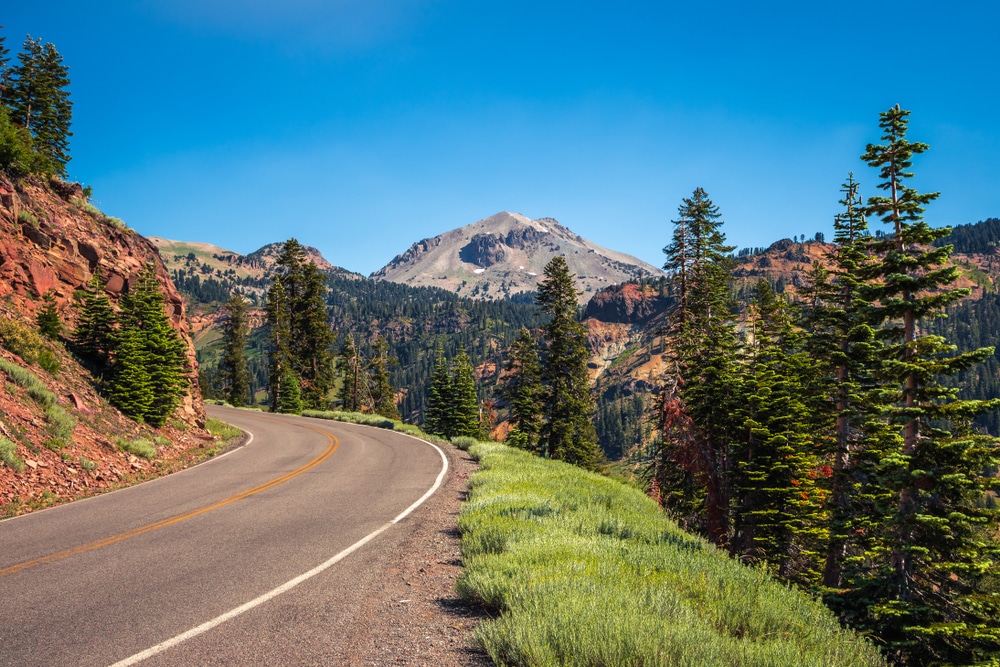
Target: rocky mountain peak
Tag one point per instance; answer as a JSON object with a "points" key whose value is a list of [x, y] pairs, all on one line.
{"points": [[506, 254]]}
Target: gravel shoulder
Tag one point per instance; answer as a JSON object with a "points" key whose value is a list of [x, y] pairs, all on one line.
{"points": [[412, 615]]}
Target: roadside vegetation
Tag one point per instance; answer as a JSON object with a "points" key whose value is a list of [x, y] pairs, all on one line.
{"points": [[583, 570]]}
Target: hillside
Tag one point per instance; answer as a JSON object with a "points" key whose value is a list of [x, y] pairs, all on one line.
{"points": [[52, 410], [504, 255], [626, 324]]}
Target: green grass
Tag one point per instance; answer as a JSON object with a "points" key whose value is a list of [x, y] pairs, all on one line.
{"points": [[24, 215], [464, 442], [60, 423], [8, 455], [579, 569], [368, 420], [222, 430], [140, 447]]}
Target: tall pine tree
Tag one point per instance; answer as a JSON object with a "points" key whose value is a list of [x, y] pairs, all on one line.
{"points": [[282, 377], [523, 392], [568, 433], [93, 337], [463, 403], [143, 315], [929, 609], [233, 365], [438, 395], [40, 103]]}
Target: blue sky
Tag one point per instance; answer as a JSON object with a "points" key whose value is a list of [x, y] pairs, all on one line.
{"points": [[361, 126]]}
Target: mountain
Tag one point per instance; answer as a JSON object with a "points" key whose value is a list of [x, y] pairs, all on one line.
{"points": [[505, 254], [54, 419]]}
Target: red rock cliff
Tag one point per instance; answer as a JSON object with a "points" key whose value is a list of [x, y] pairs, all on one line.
{"points": [[52, 239]]}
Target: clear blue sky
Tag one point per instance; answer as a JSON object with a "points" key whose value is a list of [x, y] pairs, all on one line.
{"points": [[360, 126]]}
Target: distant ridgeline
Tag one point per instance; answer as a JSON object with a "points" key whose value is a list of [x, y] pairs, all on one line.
{"points": [[414, 320], [981, 237]]}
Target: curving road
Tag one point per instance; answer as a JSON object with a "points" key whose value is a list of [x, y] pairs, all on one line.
{"points": [[247, 559]]}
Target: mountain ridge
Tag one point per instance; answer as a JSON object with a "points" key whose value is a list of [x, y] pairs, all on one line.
{"points": [[505, 254]]}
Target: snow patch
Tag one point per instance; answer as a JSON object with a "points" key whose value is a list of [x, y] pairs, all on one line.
{"points": [[478, 271]]}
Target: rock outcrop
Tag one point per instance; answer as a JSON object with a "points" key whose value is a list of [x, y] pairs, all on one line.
{"points": [[53, 241], [628, 303]]}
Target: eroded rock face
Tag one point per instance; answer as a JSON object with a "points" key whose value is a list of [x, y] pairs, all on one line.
{"points": [[629, 304], [484, 250], [50, 243]]}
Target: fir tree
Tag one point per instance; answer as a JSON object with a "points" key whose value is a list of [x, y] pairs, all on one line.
{"points": [[233, 365], [463, 403], [290, 398], [926, 606], [568, 433], [40, 103], [130, 387], [523, 392], [49, 323], [280, 370], [778, 510], [438, 394], [93, 337], [700, 420], [843, 342], [4, 69], [311, 339], [143, 313]]}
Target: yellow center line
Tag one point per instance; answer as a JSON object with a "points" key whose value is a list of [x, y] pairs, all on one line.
{"points": [[120, 537]]}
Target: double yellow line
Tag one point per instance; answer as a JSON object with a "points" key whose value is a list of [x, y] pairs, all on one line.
{"points": [[163, 523]]}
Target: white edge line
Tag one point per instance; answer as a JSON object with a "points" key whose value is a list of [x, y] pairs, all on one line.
{"points": [[287, 586]]}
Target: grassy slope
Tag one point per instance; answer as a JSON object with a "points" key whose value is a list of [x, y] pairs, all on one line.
{"points": [[585, 570]]}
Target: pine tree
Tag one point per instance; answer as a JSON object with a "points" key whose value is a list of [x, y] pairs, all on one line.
{"points": [[523, 392], [382, 392], [40, 103], [778, 510], [438, 394], [93, 337], [233, 365], [568, 433], [700, 415], [463, 403], [311, 339], [927, 607], [4, 69], [49, 323], [143, 313], [281, 375], [130, 387]]}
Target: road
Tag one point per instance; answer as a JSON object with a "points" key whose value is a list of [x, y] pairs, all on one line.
{"points": [[192, 568]]}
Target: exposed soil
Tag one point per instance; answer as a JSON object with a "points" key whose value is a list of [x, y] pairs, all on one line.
{"points": [[416, 617]]}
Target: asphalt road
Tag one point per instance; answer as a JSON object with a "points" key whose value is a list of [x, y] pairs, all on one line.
{"points": [[167, 565]]}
